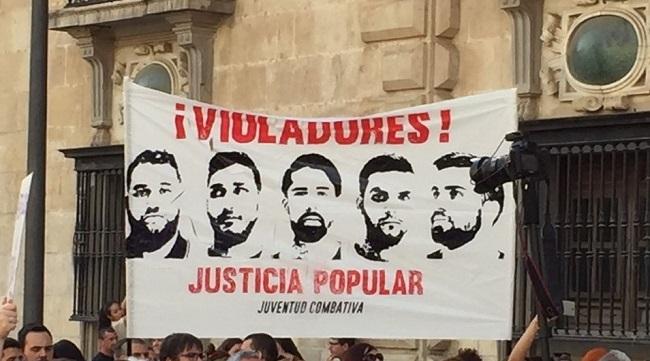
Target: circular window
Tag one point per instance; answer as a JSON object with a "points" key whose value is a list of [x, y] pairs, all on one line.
{"points": [[602, 50], [155, 76]]}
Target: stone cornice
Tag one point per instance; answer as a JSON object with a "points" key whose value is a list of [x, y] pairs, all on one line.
{"points": [[126, 11]]}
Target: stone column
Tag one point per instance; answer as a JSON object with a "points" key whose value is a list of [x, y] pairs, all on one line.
{"points": [[96, 45], [195, 34], [527, 49]]}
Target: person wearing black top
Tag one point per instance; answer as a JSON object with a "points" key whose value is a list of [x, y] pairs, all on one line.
{"points": [[107, 339]]}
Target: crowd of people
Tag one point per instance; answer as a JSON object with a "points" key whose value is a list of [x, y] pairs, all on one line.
{"points": [[35, 343]]}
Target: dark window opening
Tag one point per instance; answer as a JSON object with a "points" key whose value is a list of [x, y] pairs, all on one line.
{"points": [[98, 244], [599, 190]]}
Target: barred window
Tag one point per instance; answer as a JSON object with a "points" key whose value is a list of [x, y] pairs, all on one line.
{"points": [[599, 189], [98, 244]]}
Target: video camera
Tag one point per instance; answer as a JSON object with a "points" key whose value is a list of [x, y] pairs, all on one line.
{"points": [[522, 162], [526, 162]]}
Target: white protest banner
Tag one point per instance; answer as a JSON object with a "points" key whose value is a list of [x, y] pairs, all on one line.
{"points": [[19, 232], [364, 226]]}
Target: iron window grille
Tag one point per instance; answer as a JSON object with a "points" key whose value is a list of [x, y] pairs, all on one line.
{"points": [[98, 244], [599, 190]]}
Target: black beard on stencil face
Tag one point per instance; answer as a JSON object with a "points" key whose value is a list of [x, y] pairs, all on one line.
{"points": [[141, 238], [224, 240], [304, 233], [454, 237], [377, 239]]}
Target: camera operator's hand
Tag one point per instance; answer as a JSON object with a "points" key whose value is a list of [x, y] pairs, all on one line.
{"points": [[526, 340], [8, 317]]}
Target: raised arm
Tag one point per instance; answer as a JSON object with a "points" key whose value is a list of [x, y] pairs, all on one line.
{"points": [[526, 340]]}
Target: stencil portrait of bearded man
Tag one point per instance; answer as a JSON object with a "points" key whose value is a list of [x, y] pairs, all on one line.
{"points": [[153, 210], [385, 193], [233, 187], [458, 210], [311, 186]]}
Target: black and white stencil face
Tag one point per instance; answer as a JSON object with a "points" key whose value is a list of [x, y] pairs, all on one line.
{"points": [[153, 193], [385, 198], [233, 199], [307, 203]]}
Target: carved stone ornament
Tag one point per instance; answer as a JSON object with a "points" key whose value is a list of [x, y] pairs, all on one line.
{"points": [[592, 104], [557, 80], [161, 53], [593, 2], [192, 22]]}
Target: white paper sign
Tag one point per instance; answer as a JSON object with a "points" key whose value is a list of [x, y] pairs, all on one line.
{"points": [[364, 226], [19, 233]]}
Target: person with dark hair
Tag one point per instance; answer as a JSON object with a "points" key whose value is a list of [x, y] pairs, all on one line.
{"points": [[234, 186], [466, 354], [384, 188], [154, 186], [113, 314], [453, 223], [338, 346], [287, 350], [68, 350], [310, 185], [230, 346], [107, 339], [10, 350], [262, 343], [139, 349], [181, 347], [362, 352], [36, 342]]}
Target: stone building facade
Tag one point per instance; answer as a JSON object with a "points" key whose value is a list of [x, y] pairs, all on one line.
{"points": [[333, 57]]}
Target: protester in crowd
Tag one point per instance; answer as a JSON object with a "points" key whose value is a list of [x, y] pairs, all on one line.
{"points": [[113, 315], [362, 352], [154, 349], [521, 348], [107, 341], [287, 350], [8, 317], [181, 347], [67, 350], [615, 355], [338, 346], [245, 356], [227, 348], [210, 349], [230, 346], [10, 350], [139, 349], [594, 354], [119, 350], [262, 343], [466, 354], [152, 356], [36, 342]]}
